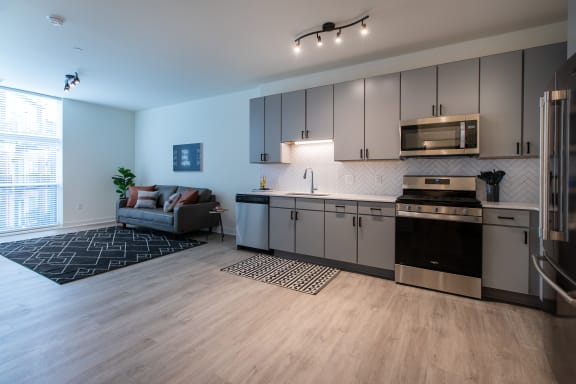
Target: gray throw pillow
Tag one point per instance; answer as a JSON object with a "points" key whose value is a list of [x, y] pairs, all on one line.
{"points": [[171, 202], [146, 199]]}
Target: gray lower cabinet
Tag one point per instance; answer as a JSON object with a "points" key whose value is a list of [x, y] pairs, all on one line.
{"points": [[501, 105], [506, 250], [341, 236], [320, 113], [418, 94], [265, 130], [297, 225], [540, 63], [362, 233], [376, 241], [293, 115]]}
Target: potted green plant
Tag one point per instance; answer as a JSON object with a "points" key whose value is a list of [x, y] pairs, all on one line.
{"points": [[123, 180]]}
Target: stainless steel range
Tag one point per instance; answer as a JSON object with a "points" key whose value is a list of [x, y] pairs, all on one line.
{"points": [[439, 234]]}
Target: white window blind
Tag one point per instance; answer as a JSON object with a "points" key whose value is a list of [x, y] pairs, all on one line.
{"points": [[30, 169]]}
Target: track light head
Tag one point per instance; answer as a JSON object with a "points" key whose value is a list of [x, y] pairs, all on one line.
{"points": [[319, 40], [66, 87], [297, 47], [71, 81], [364, 28], [76, 79], [338, 39]]}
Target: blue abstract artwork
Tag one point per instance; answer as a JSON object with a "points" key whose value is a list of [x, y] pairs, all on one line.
{"points": [[187, 157]]}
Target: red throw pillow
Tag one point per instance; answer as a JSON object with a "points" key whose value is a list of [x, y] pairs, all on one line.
{"points": [[189, 196], [133, 194]]}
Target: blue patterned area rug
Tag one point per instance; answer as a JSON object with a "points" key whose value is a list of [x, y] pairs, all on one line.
{"points": [[73, 256], [293, 274]]}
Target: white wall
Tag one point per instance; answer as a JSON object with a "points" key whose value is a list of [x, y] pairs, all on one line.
{"points": [[96, 141], [221, 125]]}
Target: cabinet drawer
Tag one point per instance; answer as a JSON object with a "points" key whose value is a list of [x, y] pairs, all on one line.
{"points": [[507, 217], [282, 202], [310, 204], [341, 206], [376, 209]]}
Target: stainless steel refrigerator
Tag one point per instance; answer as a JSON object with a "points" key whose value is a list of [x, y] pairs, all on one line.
{"points": [[556, 262]]}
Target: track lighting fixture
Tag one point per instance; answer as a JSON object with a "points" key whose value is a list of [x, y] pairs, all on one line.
{"points": [[71, 81], [329, 27]]}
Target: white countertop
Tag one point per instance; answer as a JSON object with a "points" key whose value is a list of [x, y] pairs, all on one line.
{"points": [[327, 196], [383, 199], [511, 205]]}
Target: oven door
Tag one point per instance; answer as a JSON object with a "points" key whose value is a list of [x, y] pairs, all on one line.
{"points": [[446, 246]]}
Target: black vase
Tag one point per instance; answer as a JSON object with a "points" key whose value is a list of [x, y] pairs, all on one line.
{"points": [[492, 192]]}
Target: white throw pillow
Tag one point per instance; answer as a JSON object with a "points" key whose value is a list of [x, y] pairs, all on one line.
{"points": [[171, 202], [146, 199]]}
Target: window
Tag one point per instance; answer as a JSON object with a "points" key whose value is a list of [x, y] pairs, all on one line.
{"points": [[30, 165]]}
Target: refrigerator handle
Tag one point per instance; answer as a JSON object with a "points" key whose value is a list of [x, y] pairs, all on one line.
{"points": [[535, 260], [544, 166]]}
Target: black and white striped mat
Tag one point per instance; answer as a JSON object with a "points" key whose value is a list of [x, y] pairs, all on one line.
{"points": [[293, 274]]}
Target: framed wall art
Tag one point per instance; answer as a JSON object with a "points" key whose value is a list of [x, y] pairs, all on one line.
{"points": [[187, 157]]}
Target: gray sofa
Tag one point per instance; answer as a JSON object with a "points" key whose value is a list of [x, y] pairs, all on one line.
{"points": [[185, 218]]}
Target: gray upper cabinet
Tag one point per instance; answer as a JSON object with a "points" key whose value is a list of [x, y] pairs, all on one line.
{"points": [[349, 120], [540, 63], [501, 105], [418, 95], [320, 113], [382, 115], [458, 87], [447, 89], [256, 130], [265, 130], [366, 116], [293, 115]]}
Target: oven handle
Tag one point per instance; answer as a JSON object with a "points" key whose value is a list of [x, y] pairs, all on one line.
{"points": [[435, 216]]}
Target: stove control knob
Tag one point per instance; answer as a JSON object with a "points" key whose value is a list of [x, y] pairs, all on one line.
{"points": [[454, 211], [418, 208], [464, 211], [408, 207], [435, 210]]}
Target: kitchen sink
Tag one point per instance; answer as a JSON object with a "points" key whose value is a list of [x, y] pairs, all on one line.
{"points": [[306, 194]]}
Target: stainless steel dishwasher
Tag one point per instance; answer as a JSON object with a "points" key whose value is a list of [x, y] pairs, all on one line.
{"points": [[252, 221]]}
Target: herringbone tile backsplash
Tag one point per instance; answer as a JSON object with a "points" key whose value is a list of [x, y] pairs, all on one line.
{"points": [[521, 183]]}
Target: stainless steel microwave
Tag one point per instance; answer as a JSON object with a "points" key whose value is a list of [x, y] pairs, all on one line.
{"points": [[457, 135]]}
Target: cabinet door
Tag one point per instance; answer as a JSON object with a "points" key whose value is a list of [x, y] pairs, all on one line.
{"points": [[320, 113], [418, 96], [349, 120], [310, 233], [341, 236], [505, 258], [382, 116], [281, 229], [540, 63], [458, 87], [293, 115], [376, 241], [257, 130], [501, 104], [272, 128]]}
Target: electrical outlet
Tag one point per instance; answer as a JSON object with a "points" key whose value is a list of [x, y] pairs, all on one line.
{"points": [[378, 179], [348, 179]]}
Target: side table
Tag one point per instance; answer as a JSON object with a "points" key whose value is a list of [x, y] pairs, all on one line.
{"points": [[219, 212]]}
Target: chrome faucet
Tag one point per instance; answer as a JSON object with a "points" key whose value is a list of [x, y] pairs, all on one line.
{"points": [[312, 188]]}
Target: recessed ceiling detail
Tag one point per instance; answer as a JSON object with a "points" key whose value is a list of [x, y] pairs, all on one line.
{"points": [[55, 20]]}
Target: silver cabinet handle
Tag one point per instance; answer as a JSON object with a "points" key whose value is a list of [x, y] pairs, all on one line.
{"points": [[535, 260]]}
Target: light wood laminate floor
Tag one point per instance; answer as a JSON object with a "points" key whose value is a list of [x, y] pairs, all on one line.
{"points": [[178, 319]]}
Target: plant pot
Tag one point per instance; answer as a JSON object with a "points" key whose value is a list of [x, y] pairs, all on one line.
{"points": [[493, 192]]}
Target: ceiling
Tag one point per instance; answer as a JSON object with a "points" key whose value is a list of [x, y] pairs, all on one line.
{"points": [[139, 54]]}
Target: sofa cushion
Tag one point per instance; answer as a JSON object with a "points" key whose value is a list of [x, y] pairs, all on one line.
{"points": [[189, 196], [164, 192], [171, 202], [204, 194], [155, 215], [146, 199], [133, 194]]}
